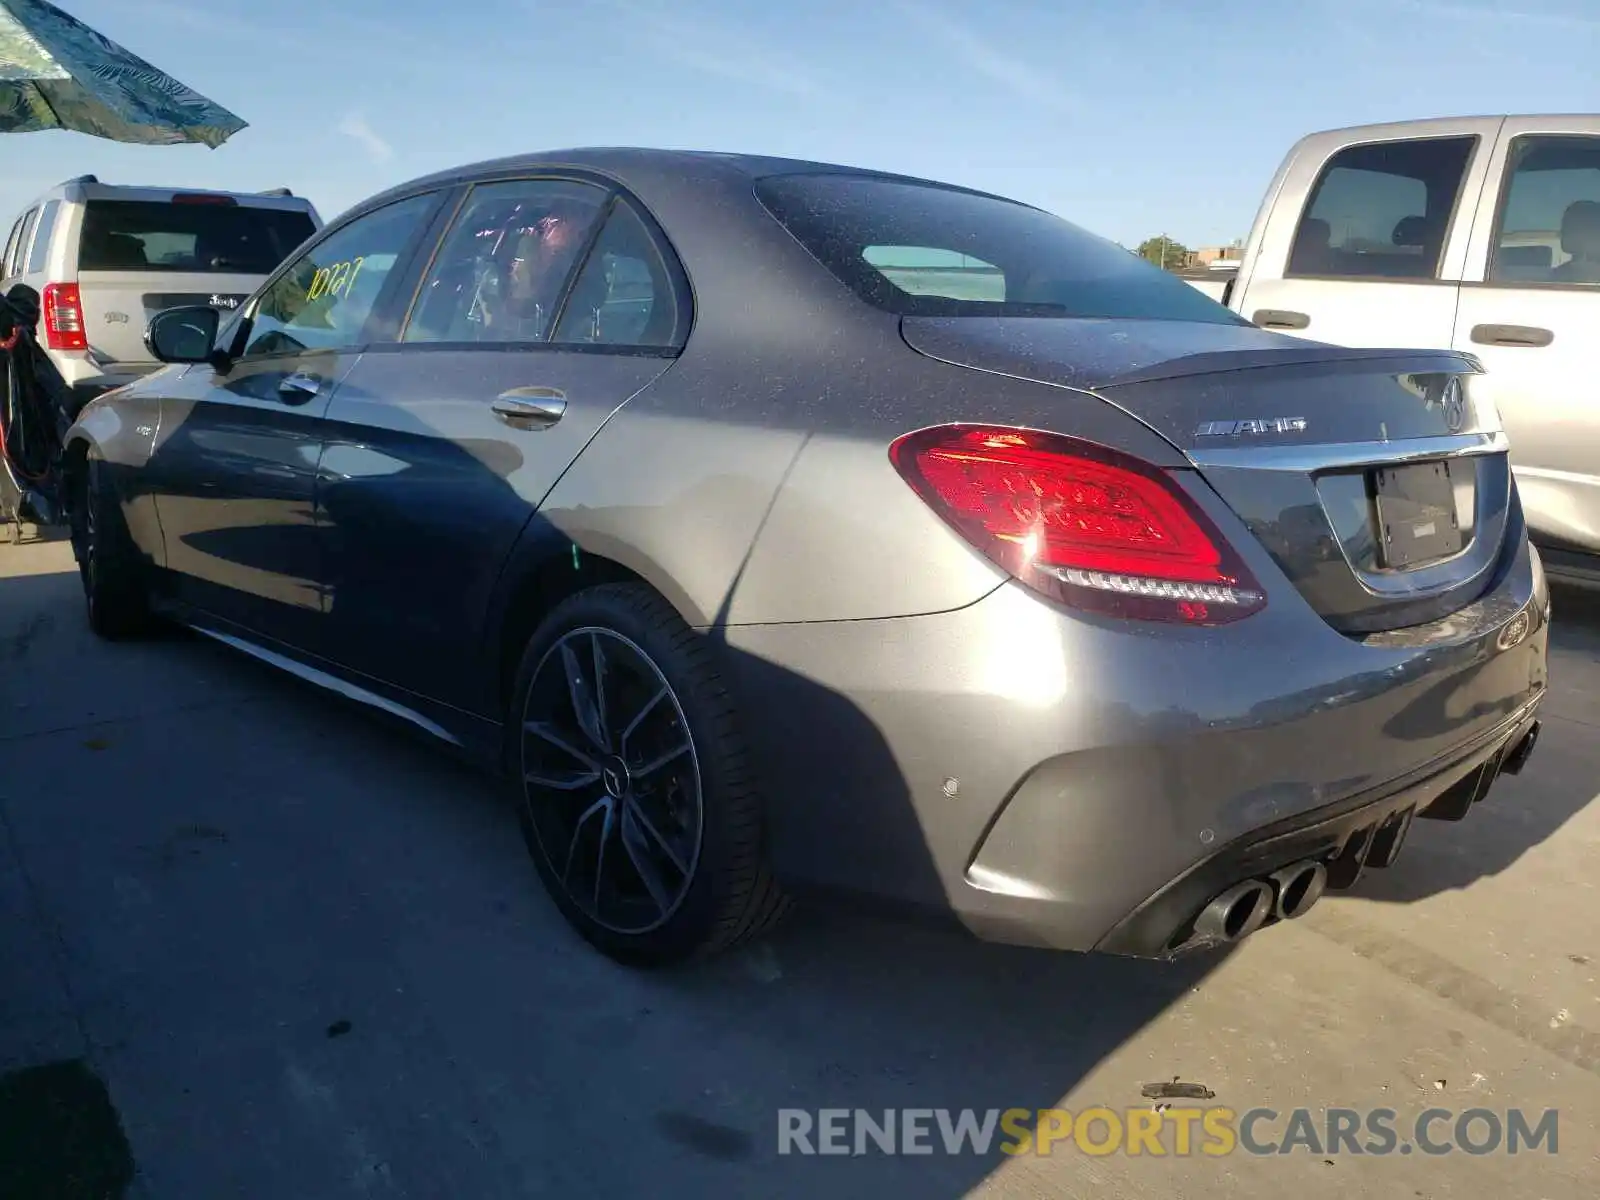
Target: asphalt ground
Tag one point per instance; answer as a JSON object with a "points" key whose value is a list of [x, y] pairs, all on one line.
{"points": [[254, 943]]}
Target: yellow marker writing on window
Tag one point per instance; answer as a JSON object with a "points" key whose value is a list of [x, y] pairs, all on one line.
{"points": [[335, 279]]}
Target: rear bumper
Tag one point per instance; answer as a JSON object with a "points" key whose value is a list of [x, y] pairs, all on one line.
{"points": [[1067, 782], [88, 378], [1362, 833]]}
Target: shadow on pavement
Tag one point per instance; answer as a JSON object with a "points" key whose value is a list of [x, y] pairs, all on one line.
{"points": [[312, 958], [59, 1135]]}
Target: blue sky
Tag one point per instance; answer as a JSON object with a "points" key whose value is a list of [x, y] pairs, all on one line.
{"points": [[1131, 117]]}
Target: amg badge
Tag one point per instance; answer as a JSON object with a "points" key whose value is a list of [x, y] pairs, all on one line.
{"points": [[1255, 427]]}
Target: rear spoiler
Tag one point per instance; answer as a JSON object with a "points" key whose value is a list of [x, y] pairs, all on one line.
{"points": [[277, 191], [1415, 362]]}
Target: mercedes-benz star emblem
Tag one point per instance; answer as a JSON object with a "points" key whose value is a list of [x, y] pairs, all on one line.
{"points": [[1454, 405]]}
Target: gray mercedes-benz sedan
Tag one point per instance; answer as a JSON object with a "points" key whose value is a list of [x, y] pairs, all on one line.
{"points": [[773, 524]]}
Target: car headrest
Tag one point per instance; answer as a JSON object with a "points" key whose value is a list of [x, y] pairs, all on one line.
{"points": [[1526, 258], [1580, 229], [123, 250], [1412, 231], [1315, 234]]}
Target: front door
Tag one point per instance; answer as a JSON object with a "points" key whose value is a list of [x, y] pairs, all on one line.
{"points": [[235, 463], [440, 448], [1529, 309]]}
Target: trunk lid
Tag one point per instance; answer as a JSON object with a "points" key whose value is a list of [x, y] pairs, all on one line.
{"points": [[1375, 479]]}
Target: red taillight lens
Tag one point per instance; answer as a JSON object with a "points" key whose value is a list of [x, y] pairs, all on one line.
{"points": [[63, 317], [202, 198], [1083, 524]]}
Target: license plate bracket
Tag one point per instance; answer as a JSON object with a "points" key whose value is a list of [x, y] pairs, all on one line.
{"points": [[1416, 513]]}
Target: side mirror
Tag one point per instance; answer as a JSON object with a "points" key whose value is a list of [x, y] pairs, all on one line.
{"points": [[183, 335]]}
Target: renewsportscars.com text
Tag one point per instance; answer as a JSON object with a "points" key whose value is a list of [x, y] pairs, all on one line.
{"points": [[1212, 1131]]}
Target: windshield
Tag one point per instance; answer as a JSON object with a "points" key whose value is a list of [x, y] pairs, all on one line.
{"points": [[922, 250], [206, 239]]}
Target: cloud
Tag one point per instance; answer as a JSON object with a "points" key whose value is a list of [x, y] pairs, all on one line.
{"points": [[718, 49], [986, 59], [355, 126]]}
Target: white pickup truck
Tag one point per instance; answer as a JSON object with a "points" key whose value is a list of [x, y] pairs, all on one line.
{"points": [[1476, 233]]}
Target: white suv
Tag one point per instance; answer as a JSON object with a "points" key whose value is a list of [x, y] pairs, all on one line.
{"points": [[105, 259]]}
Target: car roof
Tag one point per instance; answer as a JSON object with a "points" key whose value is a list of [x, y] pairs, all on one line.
{"points": [[745, 270], [1445, 123], [640, 167], [87, 187]]}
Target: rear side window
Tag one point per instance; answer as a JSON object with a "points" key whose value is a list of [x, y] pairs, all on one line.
{"points": [[626, 294], [1548, 229], [1382, 210], [40, 253], [14, 263], [499, 275], [11, 246], [195, 238], [919, 249]]}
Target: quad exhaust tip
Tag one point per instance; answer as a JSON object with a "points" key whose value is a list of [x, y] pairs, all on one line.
{"points": [[1298, 887], [1236, 913], [1285, 894]]}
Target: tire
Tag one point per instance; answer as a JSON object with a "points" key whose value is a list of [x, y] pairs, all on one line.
{"points": [[678, 846], [109, 564]]}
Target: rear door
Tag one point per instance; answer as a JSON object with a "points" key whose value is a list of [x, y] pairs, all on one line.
{"points": [[1365, 240], [137, 257], [235, 462], [549, 303], [1530, 309]]}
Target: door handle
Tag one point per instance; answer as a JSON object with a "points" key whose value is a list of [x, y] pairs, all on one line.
{"points": [[1279, 318], [530, 407], [299, 387], [1512, 335]]}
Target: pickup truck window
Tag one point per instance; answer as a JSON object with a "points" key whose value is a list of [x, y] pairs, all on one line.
{"points": [[1382, 210], [1548, 227]]}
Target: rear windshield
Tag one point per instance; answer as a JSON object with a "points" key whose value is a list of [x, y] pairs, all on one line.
{"points": [[928, 251], [206, 239]]}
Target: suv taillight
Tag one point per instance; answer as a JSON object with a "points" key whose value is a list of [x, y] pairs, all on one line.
{"points": [[1080, 523], [63, 317]]}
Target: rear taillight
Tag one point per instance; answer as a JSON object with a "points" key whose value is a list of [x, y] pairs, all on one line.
{"points": [[1085, 525], [63, 317]]}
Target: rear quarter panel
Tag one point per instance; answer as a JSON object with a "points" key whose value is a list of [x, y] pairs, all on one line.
{"points": [[751, 484]]}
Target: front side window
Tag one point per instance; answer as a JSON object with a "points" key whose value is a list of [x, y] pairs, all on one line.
{"points": [[40, 254], [920, 249], [626, 293], [1548, 228], [1382, 210], [323, 301], [501, 271]]}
